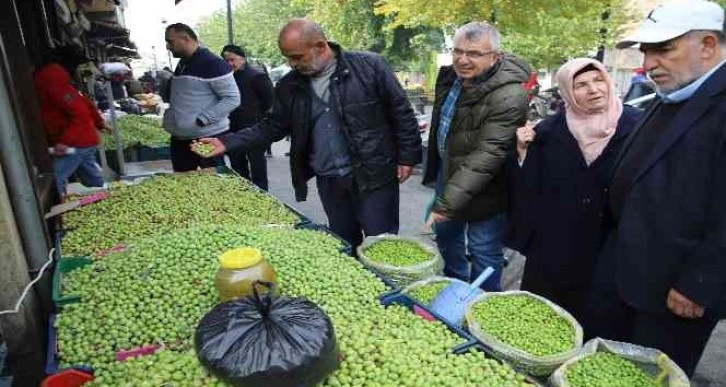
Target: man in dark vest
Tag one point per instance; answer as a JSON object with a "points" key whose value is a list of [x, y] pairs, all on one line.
{"points": [[256, 95], [351, 127], [662, 276]]}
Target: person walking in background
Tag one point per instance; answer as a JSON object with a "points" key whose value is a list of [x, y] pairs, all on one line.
{"points": [[479, 104], [351, 127], [201, 96], [71, 121], [661, 277], [163, 81], [560, 182], [256, 97]]}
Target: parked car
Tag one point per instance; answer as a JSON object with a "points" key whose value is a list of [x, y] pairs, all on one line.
{"points": [[643, 102]]}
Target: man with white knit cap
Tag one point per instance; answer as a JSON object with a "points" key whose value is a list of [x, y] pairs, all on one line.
{"points": [[661, 282]]}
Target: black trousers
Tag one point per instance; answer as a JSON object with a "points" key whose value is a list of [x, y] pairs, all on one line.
{"points": [[184, 160], [252, 165], [352, 213], [683, 340], [572, 298]]}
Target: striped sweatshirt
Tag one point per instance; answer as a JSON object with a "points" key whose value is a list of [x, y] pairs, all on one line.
{"points": [[203, 88]]}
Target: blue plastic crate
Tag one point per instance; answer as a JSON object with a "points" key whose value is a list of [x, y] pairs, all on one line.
{"points": [[51, 356], [397, 298], [383, 278], [470, 342], [303, 218]]}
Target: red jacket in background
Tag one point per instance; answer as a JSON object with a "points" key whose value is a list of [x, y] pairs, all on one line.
{"points": [[68, 117]]}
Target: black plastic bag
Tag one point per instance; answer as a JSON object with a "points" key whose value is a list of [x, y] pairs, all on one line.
{"points": [[267, 341]]}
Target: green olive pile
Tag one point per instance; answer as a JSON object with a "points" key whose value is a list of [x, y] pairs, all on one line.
{"points": [[160, 369], [426, 293], [605, 369], [165, 203], [525, 323], [397, 252], [158, 290], [137, 130], [202, 148]]}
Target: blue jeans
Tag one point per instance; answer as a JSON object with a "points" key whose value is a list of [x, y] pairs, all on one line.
{"points": [[482, 241], [83, 162]]}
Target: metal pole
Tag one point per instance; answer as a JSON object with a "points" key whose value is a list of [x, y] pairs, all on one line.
{"points": [[46, 28], [153, 54], [603, 35], [114, 129], [21, 188], [230, 33]]}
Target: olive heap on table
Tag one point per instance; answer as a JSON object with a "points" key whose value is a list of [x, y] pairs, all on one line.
{"points": [[164, 204], [157, 291], [137, 130]]}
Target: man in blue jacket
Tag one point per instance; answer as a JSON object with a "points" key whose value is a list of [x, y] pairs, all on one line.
{"points": [[662, 276], [351, 127], [201, 96]]}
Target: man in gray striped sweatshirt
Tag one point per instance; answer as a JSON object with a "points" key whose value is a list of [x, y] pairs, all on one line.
{"points": [[201, 96]]}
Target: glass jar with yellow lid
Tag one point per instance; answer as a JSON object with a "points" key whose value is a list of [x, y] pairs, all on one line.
{"points": [[238, 270]]}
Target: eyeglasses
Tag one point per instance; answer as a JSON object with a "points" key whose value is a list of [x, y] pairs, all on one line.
{"points": [[457, 52]]}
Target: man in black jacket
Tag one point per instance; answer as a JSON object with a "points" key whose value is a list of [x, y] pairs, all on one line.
{"points": [[351, 126], [256, 97], [662, 276]]}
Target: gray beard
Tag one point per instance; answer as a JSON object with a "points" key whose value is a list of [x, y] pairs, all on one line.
{"points": [[661, 91]]}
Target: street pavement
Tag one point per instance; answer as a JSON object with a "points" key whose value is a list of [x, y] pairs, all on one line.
{"points": [[711, 371]]}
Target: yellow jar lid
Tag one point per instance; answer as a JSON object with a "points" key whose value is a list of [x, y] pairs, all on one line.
{"points": [[240, 258]]}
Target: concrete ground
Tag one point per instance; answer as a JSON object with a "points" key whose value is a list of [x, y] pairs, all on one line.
{"points": [[711, 371]]}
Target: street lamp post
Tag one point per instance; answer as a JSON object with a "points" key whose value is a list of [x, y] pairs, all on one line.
{"points": [[603, 35], [230, 32], [153, 55]]}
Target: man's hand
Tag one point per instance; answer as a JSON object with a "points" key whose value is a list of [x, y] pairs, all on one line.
{"points": [[438, 217], [208, 147], [682, 306], [404, 171]]}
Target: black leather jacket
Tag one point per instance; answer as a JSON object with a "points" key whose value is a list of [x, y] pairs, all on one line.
{"points": [[255, 90], [378, 122]]}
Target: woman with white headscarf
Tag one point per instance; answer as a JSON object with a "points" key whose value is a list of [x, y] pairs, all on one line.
{"points": [[561, 180]]}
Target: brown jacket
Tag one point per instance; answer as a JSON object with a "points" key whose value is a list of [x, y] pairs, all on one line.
{"points": [[481, 135]]}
